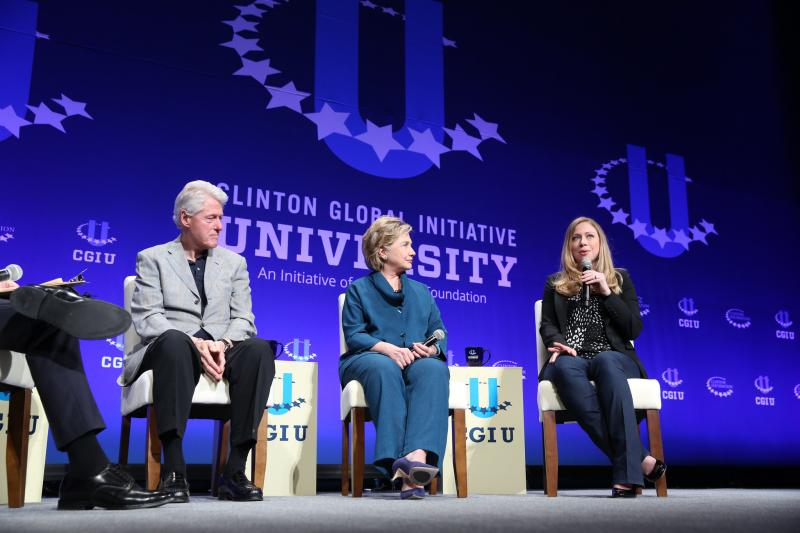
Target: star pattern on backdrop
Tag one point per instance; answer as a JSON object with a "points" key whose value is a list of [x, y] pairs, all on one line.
{"points": [[258, 70], [242, 45], [380, 138], [487, 130], [425, 144], [328, 120], [681, 236], [464, 141], [72, 107], [45, 115], [286, 96], [11, 121]]}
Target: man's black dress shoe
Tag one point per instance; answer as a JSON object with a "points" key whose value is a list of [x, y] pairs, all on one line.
{"points": [[113, 488], [177, 485], [623, 493], [657, 472], [238, 488], [80, 316]]}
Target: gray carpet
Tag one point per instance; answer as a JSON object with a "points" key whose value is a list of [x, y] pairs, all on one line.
{"points": [[683, 510]]}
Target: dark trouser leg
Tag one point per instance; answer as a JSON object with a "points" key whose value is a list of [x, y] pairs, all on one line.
{"points": [[385, 393], [176, 367], [249, 369], [570, 376], [175, 363], [428, 392], [54, 359], [610, 372]]}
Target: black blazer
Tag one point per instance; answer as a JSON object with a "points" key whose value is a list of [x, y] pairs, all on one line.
{"points": [[624, 320]]}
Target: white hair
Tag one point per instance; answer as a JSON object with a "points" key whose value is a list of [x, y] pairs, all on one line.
{"points": [[193, 196]]}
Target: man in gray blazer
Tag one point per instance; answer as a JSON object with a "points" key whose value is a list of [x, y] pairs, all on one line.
{"points": [[192, 309]]}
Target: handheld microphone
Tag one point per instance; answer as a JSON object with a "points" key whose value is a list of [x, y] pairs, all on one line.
{"points": [[10, 273], [587, 265], [435, 336]]}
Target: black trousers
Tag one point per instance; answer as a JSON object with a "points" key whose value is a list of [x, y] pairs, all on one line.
{"points": [[55, 362], [604, 411], [175, 362]]}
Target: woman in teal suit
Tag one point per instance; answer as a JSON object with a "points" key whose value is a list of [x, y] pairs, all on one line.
{"points": [[386, 319]]}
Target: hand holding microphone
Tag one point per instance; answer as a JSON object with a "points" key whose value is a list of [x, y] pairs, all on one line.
{"points": [[591, 277], [428, 347]]}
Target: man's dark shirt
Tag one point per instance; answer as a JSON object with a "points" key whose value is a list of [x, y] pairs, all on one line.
{"points": [[198, 268]]}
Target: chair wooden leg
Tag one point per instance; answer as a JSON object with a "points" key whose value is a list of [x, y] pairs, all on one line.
{"points": [[434, 486], [358, 415], [19, 413], [346, 456], [259, 464], [550, 452], [544, 462], [124, 440], [656, 446], [222, 438], [459, 435], [152, 450]]}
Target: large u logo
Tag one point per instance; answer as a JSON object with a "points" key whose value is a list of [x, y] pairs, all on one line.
{"points": [[286, 404], [336, 83], [640, 200], [474, 401], [16, 57]]}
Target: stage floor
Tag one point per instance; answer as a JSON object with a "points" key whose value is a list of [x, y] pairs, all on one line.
{"points": [[588, 510]]}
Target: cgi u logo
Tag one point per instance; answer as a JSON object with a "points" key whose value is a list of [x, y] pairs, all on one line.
{"points": [[88, 231], [686, 305], [292, 349], [91, 233], [657, 242], [782, 318], [762, 384], [336, 83], [474, 402], [16, 61], [286, 404], [671, 378]]}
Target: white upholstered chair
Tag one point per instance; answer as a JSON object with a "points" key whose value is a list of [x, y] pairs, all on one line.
{"points": [[354, 408], [211, 400], [646, 397], [15, 378]]}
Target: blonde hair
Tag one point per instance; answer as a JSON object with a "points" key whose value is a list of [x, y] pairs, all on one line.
{"points": [[567, 281], [381, 234]]}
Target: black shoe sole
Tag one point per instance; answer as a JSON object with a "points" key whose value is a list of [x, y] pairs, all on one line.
{"points": [[179, 498], [422, 476], [227, 495], [88, 319], [85, 505]]}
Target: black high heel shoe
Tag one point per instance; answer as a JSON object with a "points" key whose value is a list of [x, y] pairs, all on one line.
{"points": [[623, 493], [657, 472]]}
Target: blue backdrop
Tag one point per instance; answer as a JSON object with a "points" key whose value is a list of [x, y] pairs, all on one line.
{"points": [[487, 127]]}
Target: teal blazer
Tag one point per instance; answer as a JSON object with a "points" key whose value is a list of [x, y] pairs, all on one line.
{"points": [[373, 312]]}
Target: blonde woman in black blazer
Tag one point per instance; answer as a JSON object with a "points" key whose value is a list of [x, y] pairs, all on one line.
{"points": [[593, 343]]}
